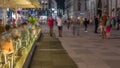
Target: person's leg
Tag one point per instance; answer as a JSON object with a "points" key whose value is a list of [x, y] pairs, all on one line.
{"points": [[78, 29], [60, 31], [95, 29], [68, 26], [51, 31], [107, 35], [73, 30], [117, 26], [86, 26], [104, 32]]}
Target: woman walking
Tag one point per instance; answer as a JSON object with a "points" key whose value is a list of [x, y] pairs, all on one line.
{"points": [[108, 27]]}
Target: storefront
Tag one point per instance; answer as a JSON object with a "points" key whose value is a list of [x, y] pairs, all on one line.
{"points": [[16, 41]]}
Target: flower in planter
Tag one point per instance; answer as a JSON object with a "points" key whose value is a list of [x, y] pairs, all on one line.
{"points": [[32, 20]]}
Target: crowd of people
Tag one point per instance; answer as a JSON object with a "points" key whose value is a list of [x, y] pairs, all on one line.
{"points": [[103, 23], [15, 39]]}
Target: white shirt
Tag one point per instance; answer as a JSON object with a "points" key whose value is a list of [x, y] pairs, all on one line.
{"points": [[59, 21]]}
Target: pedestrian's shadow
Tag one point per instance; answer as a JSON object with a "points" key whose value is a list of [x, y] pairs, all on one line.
{"points": [[115, 37]]}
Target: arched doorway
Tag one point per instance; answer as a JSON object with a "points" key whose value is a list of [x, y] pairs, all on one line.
{"points": [[99, 8]]}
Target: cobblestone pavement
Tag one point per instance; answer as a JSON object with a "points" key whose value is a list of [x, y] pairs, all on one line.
{"points": [[89, 50]]}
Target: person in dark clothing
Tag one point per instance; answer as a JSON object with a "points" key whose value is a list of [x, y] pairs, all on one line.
{"points": [[86, 22], [118, 22], [96, 20], [68, 23]]}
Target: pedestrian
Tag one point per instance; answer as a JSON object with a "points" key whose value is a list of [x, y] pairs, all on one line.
{"points": [[108, 27], [86, 22], [68, 23], [78, 25], [103, 25], [73, 23], [96, 20], [60, 24], [51, 24], [118, 23]]}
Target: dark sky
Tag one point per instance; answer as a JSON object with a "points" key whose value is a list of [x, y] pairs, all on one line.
{"points": [[60, 3]]}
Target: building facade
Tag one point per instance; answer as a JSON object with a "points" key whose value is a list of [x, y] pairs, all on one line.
{"points": [[91, 8], [76, 8], [100, 7], [53, 8]]}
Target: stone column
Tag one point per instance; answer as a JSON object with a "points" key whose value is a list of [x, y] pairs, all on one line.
{"points": [[116, 8]]}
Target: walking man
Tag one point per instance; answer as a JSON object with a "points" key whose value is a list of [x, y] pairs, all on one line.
{"points": [[59, 24], [96, 24]]}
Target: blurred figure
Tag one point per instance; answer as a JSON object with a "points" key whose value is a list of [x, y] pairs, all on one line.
{"points": [[108, 27], [118, 23], [50, 24], [86, 22], [73, 23], [103, 24], [96, 20], [68, 23], [78, 25], [60, 24], [81, 20], [2, 28]]}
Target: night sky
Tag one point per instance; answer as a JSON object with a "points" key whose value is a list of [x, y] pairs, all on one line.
{"points": [[60, 3]]}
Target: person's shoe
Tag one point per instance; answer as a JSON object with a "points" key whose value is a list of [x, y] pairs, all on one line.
{"points": [[60, 35], [51, 35], [95, 32]]}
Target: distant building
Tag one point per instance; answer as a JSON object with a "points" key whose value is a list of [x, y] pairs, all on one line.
{"points": [[53, 8], [90, 8], [76, 8], [100, 7], [44, 4]]}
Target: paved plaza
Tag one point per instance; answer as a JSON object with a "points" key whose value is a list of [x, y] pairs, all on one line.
{"points": [[89, 50]]}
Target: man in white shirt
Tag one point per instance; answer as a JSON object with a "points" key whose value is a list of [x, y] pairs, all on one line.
{"points": [[59, 24]]}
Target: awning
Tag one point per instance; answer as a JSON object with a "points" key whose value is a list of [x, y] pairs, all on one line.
{"points": [[19, 4]]}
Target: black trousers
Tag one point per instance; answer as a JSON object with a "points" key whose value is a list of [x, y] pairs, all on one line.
{"points": [[96, 28]]}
